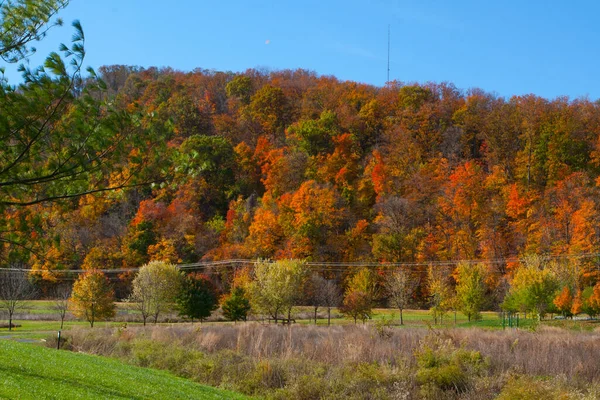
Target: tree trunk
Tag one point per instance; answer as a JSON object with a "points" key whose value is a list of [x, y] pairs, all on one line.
{"points": [[10, 314], [316, 308], [401, 319], [62, 321], [328, 316]]}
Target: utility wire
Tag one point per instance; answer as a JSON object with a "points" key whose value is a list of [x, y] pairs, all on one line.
{"points": [[324, 266]]}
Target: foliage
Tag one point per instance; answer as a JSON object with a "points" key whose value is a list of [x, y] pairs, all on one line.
{"points": [[564, 301], [527, 388], [236, 305], [62, 138], [444, 367], [289, 164], [23, 22], [197, 297], [593, 302], [277, 286], [92, 297], [577, 306], [470, 288], [360, 295], [155, 289], [439, 292], [532, 289]]}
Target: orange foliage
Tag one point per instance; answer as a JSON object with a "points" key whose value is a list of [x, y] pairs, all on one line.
{"points": [[564, 301], [577, 306]]}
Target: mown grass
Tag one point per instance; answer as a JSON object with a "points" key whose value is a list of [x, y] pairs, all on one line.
{"points": [[34, 372], [39, 319]]}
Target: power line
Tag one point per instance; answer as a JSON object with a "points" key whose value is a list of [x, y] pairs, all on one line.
{"points": [[323, 266]]}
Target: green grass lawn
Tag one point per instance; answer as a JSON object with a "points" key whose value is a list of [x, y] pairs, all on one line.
{"points": [[49, 325], [34, 372]]}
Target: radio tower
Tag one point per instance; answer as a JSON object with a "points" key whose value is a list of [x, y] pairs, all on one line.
{"points": [[388, 59]]}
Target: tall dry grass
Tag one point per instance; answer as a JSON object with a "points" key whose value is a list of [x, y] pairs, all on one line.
{"points": [[547, 352]]}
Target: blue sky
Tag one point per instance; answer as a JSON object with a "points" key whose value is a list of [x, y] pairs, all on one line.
{"points": [[508, 47]]}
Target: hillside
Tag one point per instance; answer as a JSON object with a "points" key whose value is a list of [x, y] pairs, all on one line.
{"points": [[289, 164], [34, 372]]}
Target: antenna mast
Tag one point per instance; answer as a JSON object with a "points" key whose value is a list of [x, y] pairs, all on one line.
{"points": [[388, 58]]}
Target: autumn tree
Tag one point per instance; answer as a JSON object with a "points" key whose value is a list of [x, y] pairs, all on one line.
{"points": [[155, 288], [92, 298], [532, 288], [577, 306], [277, 287], [564, 301], [15, 288], [471, 288], [236, 305], [197, 297], [591, 304], [439, 290], [400, 287], [360, 295]]}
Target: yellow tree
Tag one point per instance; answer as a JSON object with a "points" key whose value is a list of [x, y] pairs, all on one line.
{"points": [[470, 288], [155, 288], [440, 292], [92, 298], [360, 295], [277, 286]]}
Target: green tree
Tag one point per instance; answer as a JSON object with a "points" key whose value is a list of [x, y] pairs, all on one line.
{"points": [[155, 289], [315, 136], [240, 87], [470, 289], [532, 289], [236, 306], [197, 297], [92, 298], [277, 286], [23, 22]]}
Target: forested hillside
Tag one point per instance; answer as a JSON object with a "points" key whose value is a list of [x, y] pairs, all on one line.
{"points": [[290, 164]]}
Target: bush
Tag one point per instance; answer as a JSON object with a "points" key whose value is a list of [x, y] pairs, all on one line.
{"points": [[441, 366], [527, 388]]}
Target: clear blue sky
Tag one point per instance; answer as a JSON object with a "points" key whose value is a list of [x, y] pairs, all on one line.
{"points": [[549, 48]]}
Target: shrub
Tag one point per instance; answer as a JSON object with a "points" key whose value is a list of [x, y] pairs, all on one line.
{"points": [[527, 388], [441, 366]]}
